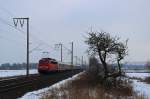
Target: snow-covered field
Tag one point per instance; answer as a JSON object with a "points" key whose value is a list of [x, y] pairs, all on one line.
{"points": [[138, 71], [9, 73], [138, 75], [38, 94], [140, 87]]}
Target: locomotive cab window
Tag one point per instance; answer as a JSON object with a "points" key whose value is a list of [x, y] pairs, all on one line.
{"points": [[54, 62]]}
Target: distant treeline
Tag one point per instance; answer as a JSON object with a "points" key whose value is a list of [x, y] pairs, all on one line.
{"points": [[17, 66], [136, 66]]}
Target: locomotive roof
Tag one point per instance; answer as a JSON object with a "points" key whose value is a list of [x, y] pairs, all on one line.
{"points": [[49, 59]]}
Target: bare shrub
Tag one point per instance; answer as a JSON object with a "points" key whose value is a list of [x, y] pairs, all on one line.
{"points": [[147, 65], [94, 66]]}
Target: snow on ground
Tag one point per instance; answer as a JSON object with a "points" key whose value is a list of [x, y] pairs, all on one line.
{"points": [[138, 75], [138, 86], [38, 94], [139, 71], [9, 73], [141, 88]]}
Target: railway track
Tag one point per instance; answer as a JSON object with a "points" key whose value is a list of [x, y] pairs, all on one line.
{"points": [[14, 82], [13, 88]]}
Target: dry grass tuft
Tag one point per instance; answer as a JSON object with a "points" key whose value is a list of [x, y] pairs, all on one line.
{"points": [[85, 87]]}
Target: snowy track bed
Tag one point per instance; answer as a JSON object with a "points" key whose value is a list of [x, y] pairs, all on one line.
{"points": [[39, 93], [20, 87]]}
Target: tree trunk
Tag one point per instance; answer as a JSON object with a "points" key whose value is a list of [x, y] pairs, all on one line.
{"points": [[104, 65], [119, 66], [106, 70]]}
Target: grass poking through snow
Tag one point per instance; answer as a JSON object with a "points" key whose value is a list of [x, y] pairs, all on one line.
{"points": [[85, 87]]}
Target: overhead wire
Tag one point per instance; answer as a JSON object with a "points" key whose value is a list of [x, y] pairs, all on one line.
{"points": [[8, 38], [67, 49], [40, 40], [11, 40], [12, 15], [7, 11], [32, 35], [6, 23]]}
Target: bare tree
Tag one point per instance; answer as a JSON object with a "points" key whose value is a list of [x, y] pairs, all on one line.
{"points": [[121, 52], [104, 45]]}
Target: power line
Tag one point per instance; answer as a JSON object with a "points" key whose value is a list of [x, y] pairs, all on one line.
{"points": [[36, 48], [8, 34], [10, 39], [12, 15], [33, 36], [6, 23], [67, 49], [7, 11], [39, 39]]}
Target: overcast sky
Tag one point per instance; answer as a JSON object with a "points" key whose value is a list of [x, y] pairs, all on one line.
{"points": [[55, 21]]}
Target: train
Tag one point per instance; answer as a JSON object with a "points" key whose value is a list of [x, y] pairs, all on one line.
{"points": [[50, 65]]}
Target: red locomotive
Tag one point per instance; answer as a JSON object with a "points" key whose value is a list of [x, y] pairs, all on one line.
{"points": [[51, 65], [47, 64]]}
